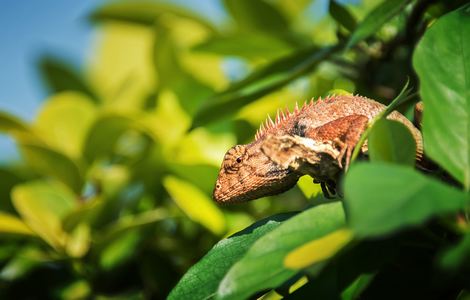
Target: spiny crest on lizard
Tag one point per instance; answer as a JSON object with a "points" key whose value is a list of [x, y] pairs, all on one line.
{"points": [[283, 117]]}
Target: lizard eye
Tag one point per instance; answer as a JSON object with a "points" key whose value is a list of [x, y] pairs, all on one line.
{"points": [[239, 159]]}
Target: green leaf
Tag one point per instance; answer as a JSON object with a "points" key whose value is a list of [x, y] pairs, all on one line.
{"points": [[257, 15], [456, 256], [244, 45], [391, 141], [201, 281], [11, 124], [195, 204], [262, 266], [383, 198], [318, 250], [342, 15], [79, 241], [60, 76], [171, 74], [143, 13], [120, 250], [42, 205], [261, 82], [64, 120], [49, 162], [104, 134], [442, 62], [10, 224], [376, 19], [130, 222]]}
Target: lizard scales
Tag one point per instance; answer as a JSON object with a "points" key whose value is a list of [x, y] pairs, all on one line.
{"points": [[247, 173]]}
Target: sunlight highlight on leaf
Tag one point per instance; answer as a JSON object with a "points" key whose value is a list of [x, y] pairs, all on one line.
{"points": [[318, 250], [195, 204]]}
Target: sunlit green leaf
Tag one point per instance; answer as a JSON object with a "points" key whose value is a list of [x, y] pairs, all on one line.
{"points": [[391, 141], [263, 267], [64, 120], [318, 250], [441, 61], [376, 19], [198, 283], [78, 241], [383, 198], [10, 224], [456, 256], [42, 205], [195, 204]]}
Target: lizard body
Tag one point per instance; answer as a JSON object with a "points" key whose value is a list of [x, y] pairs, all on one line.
{"points": [[334, 126]]}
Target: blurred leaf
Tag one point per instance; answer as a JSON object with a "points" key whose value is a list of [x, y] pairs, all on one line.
{"points": [[121, 69], [441, 61], [131, 222], [262, 266], [22, 263], [318, 250], [206, 147], [261, 82], [10, 177], [79, 289], [293, 8], [391, 141], [42, 205], [120, 250], [201, 175], [144, 13], [10, 224], [11, 124], [195, 204], [244, 45], [257, 15], [168, 122], [308, 188], [456, 256], [78, 241], [342, 15], [171, 74], [201, 281], [383, 198], [104, 134], [64, 120], [376, 19], [60, 76], [46, 161]]}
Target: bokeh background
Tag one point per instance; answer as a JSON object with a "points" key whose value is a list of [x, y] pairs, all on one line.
{"points": [[115, 116]]}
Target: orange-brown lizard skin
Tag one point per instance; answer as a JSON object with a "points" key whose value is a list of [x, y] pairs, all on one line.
{"points": [[336, 122]]}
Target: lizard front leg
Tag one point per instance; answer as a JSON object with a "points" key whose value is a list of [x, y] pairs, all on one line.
{"points": [[345, 132]]}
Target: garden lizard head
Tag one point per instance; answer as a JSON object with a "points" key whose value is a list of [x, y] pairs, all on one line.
{"points": [[247, 173]]}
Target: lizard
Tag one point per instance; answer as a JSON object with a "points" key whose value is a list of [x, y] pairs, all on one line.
{"points": [[333, 125]]}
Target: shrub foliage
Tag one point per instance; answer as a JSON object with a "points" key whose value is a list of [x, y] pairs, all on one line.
{"points": [[111, 196]]}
